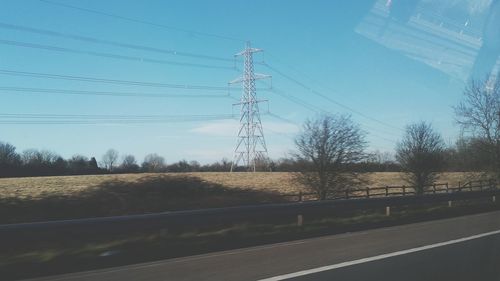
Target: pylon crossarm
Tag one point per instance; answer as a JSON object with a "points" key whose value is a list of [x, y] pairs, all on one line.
{"points": [[237, 80], [259, 76]]}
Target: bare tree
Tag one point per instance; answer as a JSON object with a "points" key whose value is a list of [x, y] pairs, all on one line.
{"points": [[479, 115], [420, 154], [39, 162], [93, 165], [129, 164], [154, 163], [8, 154], [326, 147], [79, 164], [263, 164], [381, 157], [36, 157], [109, 159], [225, 164], [195, 166], [10, 161]]}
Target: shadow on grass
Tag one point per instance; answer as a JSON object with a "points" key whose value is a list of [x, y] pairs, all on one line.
{"points": [[150, 194]]}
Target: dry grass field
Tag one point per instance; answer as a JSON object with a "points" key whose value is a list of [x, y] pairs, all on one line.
{"points": [[47, 198], [281, 183]]}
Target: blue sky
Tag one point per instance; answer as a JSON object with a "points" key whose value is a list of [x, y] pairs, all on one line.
{"points": [[328, 46]]}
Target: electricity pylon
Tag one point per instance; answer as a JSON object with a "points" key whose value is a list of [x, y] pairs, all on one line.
{"points": [[251, 145]]}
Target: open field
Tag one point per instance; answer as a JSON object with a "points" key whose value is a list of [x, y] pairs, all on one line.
{"points": [[48, 198], [280, 183]]}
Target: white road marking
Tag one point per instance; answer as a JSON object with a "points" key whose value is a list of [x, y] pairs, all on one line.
{"points": [[379, 257]]}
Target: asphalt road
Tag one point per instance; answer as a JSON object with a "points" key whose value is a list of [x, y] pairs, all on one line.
{"points": [[464, 248]]}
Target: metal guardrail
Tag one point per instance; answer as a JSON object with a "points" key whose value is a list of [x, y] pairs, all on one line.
{"points": [[204, 217]]}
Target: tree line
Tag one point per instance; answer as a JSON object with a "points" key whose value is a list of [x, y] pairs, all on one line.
{"points": [[466, 155], [33, 162], [330, 151]]}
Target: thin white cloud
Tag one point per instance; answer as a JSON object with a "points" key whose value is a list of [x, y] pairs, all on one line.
{"points": [[224, 128], [169, 137], [282, 127], [208, 155], [229, 128]]}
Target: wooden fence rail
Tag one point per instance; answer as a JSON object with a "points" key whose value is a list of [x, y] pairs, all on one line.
{"points": [[403, 190]]}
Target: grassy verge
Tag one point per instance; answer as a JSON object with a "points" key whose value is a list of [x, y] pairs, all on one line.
{"points": [[66, 254]]}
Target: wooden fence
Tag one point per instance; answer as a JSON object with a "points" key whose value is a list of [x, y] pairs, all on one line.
{"points": [[403, 190]]}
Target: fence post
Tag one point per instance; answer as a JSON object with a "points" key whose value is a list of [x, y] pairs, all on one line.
{"points": [[300, 220], [387, 211], [449, 203], [459, 186], [386, 191], [446, 187], [494, 199], [404, 190], [367, 192]]}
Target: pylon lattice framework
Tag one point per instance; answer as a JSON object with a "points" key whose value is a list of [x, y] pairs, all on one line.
{"points": [[251, 145]]}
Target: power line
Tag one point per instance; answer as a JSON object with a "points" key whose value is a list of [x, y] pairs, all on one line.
{"points": [[328, 98], [319, 110], [107, 93], [110, 122], [37, 118], [298, 125], [287, 135], [109, 42], [283, 119], [144, 22], [16, 118], [108, 55], [383, 138], [100, 116], [297, 101], [89, 39], [113, 81]]}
